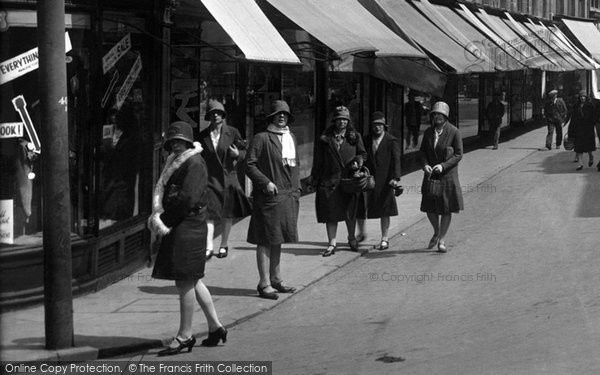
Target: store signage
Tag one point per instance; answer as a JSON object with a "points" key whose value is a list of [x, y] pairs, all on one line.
{"points": [[21, 107], [119, 50], [24, 63], [128, 84], [109, 90], [11, 130], [7, 235]]}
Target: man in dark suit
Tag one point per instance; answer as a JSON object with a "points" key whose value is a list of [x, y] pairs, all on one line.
{"points": [[555, 112]]}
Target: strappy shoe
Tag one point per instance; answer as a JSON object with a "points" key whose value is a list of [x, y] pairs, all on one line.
{"points": [[432, 242], [189, 344], [282, 288], [266, 295], [383, 245], [579, 168], [214, 337], [223, 250], [329, 251]]}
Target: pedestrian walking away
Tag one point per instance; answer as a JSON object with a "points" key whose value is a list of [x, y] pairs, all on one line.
{"points": [[222, 149], [383, 160], [494, 112], [555, 111], [179, 219], [340, 152], [441, 151], [273, 166], [581, 129], [413, 111]]}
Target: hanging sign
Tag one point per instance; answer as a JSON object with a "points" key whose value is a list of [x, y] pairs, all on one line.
{"points": [[119, 50], [11, 130], [111, 87], [128, 84], [21, 107], [7, 235], [24, 63]]}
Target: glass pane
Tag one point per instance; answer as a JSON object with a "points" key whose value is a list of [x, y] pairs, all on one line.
{"points": [[468, 106]]}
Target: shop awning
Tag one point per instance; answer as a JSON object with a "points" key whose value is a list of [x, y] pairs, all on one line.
{"points": [[560, 36], [346, 27], [250, 29], [404, 19], [587, 34]]}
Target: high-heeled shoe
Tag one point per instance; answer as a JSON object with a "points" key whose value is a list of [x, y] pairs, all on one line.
{"points": [[442, 247], [266, 295], [590, 163], [216, 336], [282, 288], [209, 254], [353, 244], [189, 344], [329, 251], [223, 250], [432, 242]]}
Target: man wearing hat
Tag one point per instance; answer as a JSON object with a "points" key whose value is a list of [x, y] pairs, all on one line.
{"points": [[272, 164], [494, 113], [555, 112], [383, 161]]}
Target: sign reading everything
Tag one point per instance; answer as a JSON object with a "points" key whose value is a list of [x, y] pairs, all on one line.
{"points": [[24, 63], [6, 221]]}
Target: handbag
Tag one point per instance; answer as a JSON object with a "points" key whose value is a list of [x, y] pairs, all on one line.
{"points": [[354, 185], [432, 187]]}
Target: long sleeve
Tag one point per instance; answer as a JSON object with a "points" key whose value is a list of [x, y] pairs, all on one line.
{"points": [[458, 151], [395, 144], [252, 163]]}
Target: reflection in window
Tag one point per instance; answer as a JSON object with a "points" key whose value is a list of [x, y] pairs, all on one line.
{"points": [[468, 105]]}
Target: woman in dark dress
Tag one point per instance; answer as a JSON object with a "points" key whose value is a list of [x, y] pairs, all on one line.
{"points": [[179, 218], [581, 129], [338, 150], [441, 150], [222, 149], [383, 161]]}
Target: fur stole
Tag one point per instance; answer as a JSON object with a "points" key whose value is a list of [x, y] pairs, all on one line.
{"points": [[155, 224]]}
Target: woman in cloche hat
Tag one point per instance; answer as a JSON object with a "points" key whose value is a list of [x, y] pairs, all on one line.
{"points": [[440, 152], [179, 218]]}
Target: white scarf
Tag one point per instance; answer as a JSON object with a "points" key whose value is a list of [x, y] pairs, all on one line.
{"points": [[288, 150], [155, 224]]}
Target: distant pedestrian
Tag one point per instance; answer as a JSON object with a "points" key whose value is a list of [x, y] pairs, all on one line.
{"points": [[581, 129], [179, 218], [555, 111], [383, 161], [272, 163], [494, 113], [596, 105], [223, 148], [340, 151], [413, 110], [441, 151]]}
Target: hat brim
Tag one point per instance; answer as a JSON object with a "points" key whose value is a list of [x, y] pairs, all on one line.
{"points": [[290, 116], [167, 144], [340, 117], [207, 115]]}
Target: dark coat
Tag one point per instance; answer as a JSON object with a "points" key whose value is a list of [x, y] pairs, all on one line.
{"points": [[581, 128], [329, 165], [494, 112], [182, 252], [274, 218], [448, 153], [226, 198], [384, 164]]}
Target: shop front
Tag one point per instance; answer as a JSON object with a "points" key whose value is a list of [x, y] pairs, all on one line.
{"points": [[111, 116]]}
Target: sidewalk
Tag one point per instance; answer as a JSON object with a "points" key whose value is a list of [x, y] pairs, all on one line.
{"points": [[138, 312]]}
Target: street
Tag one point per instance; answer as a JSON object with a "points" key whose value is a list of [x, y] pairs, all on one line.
{"points": [[517, 293]]}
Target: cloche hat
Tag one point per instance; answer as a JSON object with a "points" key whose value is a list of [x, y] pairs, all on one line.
{"points": [[378, 117], [441, 107], [341, 112], [280, 106], [178, 130], [214, 105]]}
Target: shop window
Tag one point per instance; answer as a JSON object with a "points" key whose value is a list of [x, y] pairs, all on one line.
{"points": [[264, 87], [124, 133], [468, 105], [345, 89], [416, 111], [298, 91], [21, 177]]}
